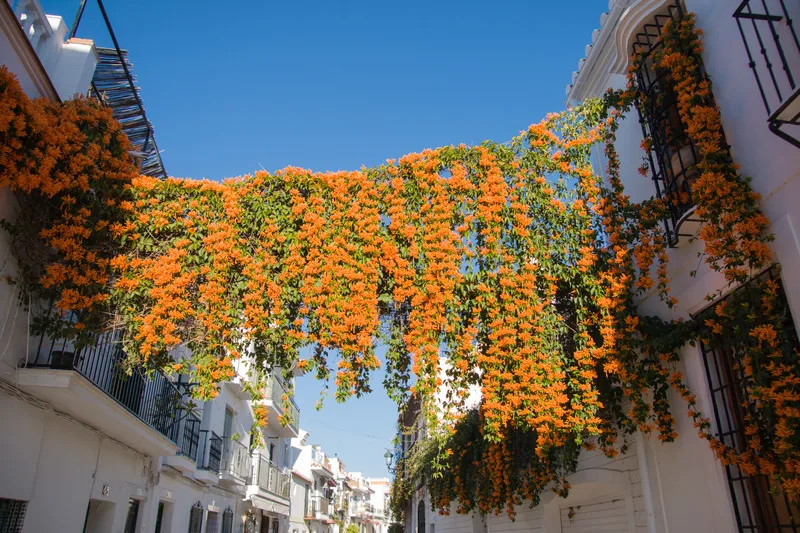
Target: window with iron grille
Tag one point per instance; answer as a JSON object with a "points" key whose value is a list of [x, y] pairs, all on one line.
{"points": [[196, 518], [12, 515], [773, 55], [759, 505], [212, 522], [673, 156], [227, 521]]}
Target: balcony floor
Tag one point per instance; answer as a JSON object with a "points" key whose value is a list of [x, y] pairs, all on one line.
{"points": [[70, 392]]}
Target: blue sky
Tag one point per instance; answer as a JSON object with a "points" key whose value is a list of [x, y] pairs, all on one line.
{"points": [[233, 87]]}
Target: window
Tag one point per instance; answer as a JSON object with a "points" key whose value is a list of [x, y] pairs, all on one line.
{"points": [[133, 516], [12, 515], [227, 521], [159, 517], [673, 156], [421, 517], [759, 505], [212, 522], [196, 518]]}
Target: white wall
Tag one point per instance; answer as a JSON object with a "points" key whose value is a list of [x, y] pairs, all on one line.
{"points": [[58, 466]]}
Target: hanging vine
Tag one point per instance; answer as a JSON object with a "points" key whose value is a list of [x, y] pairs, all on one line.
{"points": [[515, 263]]}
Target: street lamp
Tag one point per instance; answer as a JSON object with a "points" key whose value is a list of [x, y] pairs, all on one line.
{"points": [[389, 456]]}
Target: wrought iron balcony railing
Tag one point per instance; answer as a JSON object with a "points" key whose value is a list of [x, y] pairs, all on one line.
{"points": [[773, 55], [235, 459], [190, 437], [151, 397], [269, 477], [209, 455], [275, 392]]}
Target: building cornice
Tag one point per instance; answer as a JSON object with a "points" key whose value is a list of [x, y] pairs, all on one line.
{"points": [[629, 25], [611, 47], [27, 55]]}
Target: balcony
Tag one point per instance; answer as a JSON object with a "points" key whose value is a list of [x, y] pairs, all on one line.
{"points": [[209, 457], [269, 486], [235, 464], [188, 445], [142, 410], [773, 55], [275, 405], [267, 477], [320, 508]]}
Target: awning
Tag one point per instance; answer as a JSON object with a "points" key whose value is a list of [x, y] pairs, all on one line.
{"points": [[270, 506]]}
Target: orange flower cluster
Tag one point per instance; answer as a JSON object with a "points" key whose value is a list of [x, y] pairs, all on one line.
{"points": [[515, 263], [68, 164], [736, 244]]}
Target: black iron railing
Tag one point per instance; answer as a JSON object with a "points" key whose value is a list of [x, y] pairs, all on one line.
{"points": [[190, 439], [275, 392], [210, 452], [759, 505], [151, 397], [672, 159], [773, 55]]}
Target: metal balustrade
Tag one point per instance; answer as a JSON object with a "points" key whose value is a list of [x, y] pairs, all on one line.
{"points": [[235, 459], [269, 477], [210, 453], [149, 396], [275, 392], [190, 437], [773, 55]]}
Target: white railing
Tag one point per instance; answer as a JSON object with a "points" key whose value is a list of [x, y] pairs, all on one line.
{"points": [[320, 505], [33, 20]]}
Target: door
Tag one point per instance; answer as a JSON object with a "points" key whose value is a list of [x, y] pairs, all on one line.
{"points": [[159, 517], [264, 523], [133, 516], [228, 427], [608, 516]]}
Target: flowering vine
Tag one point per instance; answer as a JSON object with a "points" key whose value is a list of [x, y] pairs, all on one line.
{"points": [[507, 268]]}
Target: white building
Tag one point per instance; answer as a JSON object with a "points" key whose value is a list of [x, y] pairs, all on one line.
{"points": [[313, 485], [379, 499], [752, 56], [86, 448]]}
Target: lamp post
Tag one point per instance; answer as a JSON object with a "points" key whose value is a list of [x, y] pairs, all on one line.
{"points": [[389, 456]]}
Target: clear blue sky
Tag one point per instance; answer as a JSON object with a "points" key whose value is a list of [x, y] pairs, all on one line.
{"points": [[329, 85]]}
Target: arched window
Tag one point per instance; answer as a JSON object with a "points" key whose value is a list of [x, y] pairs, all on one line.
{"points": [[421, 517], [196, 518], [227, 521]]}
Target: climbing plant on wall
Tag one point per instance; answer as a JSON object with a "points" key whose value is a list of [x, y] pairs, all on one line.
{"points": [[516, 263]]}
